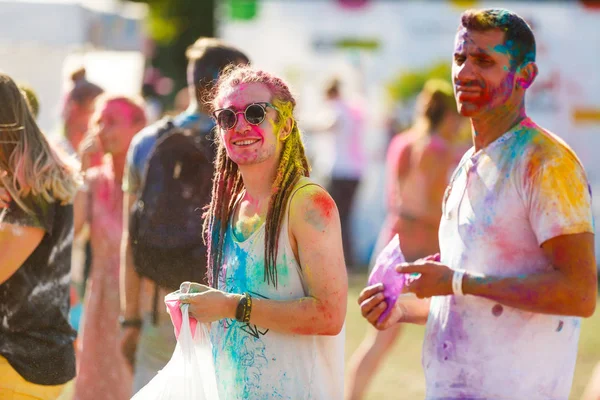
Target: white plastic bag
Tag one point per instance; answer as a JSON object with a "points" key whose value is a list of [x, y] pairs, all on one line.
{"points": [[190, 374]]}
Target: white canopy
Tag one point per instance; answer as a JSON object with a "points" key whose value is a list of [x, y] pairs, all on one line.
{"points": [[41, 39]]}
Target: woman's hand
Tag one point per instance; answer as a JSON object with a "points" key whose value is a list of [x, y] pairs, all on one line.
{"points": [[207, 304], [88, 149]]}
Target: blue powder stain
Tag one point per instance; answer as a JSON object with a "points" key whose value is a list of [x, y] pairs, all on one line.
{"points": [[503, 48], [245, 354], [239, 349], [522, 139]]}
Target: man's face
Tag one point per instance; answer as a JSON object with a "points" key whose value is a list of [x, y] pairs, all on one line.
{"points": [[248, 144], [481, 72]]}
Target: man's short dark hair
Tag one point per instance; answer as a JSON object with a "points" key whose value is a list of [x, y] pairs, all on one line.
{"points": [[518, 36], [209, 57]]}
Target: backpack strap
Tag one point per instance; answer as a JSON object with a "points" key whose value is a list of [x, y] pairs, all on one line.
{"points": [[155, 305], [167, 126]]}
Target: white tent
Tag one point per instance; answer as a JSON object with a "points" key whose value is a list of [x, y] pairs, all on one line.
{"points": [[40, 41]]}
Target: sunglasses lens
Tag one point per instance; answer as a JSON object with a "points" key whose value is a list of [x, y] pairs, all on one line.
{"points": [[226, 119], [255, 114]]}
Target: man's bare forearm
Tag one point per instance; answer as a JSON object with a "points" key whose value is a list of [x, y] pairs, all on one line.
{"points": [[549, 292], [304, 316]]}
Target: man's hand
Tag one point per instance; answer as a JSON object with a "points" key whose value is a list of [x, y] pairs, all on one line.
{"points": [[435, 278], [372, 305], [207, 304]]}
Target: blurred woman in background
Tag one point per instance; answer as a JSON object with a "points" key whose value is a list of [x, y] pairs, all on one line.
{"points": [[102, 368], [77, 109], [418, 166], [37, 187]]}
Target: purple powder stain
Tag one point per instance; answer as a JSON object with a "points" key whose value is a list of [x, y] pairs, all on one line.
{"points": [[385, 272], [453, 337], [560, 326], [497, 310]]}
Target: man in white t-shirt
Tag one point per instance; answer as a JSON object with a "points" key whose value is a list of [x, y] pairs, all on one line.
{"points": [[517, 268]]}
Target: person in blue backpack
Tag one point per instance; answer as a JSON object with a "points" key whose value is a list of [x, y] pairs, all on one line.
{"points": [[162, 245]]}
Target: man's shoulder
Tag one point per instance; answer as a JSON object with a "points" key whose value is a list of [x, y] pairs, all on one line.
{"points": [[542, 147], [311, 199], [149, 134], [143, 142]]}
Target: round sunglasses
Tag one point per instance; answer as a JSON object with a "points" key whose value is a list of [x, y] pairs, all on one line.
{"points": [[254, 114]]}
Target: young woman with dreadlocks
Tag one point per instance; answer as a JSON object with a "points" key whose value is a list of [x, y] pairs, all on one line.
{"points": [[278, 294]]}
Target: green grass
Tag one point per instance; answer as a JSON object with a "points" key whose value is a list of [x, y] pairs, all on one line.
{"points": [[401, 373]]}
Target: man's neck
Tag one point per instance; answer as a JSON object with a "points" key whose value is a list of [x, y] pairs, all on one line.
{"points": [[258, 184], [487, 128]]}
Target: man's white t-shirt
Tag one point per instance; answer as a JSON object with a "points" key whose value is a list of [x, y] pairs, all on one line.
{"points": [[503, 202]]}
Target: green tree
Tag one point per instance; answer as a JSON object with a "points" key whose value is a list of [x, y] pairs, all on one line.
{"points": [[408, 83], [174, 25]]}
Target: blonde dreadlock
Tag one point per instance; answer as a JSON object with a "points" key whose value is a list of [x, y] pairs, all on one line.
{"points": [[228, 184]]}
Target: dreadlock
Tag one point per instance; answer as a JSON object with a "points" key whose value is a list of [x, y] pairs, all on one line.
{"points": [[227, 180]]}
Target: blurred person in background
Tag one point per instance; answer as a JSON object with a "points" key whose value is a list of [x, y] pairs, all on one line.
{"points": [[77, 109], [142, 321], [516, 272], [418, 166], [346, 125], [154, 107], [182, 100], [37, 187], [102, 368]]}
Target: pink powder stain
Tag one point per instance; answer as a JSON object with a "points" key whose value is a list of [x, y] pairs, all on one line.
{"points": [[173, 306], [324, 203]]}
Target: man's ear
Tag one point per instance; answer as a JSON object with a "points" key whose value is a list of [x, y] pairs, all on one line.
{"points": [[287, 128], [526, 75]]}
